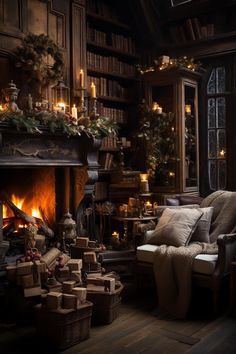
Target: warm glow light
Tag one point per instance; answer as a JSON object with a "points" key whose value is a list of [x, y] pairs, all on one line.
{"points": [[143, 177], [188, 109], [17, 201], [115, 236], [171, 174], [222, 153], [36, 213], [148, 204], [4, 211]]}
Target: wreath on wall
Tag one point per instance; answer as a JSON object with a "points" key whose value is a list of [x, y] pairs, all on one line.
{"points": [[40, 58]]}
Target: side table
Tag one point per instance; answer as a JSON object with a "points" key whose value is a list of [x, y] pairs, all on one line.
{"points": [[129, 225]]}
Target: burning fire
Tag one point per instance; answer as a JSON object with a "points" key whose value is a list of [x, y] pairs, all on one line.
{"points": [[22, 204]]}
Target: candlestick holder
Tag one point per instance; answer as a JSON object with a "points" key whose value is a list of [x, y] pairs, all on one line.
{"points": [[93, 111], [82, 107]]}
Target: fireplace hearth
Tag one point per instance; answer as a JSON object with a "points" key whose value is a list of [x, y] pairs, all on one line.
{"points": [[50, 173]]}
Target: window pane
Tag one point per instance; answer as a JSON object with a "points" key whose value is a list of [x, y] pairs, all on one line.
{"points": [[211, 86], [211, 113], [212, 174], [221, 141], [220, 112], [221, 174], [212, 144], [220, 79]]}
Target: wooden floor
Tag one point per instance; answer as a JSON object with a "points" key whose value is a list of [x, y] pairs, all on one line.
{"points": [[139, 329]]}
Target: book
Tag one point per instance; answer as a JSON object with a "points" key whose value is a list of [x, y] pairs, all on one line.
{"points": [[197, 28]]}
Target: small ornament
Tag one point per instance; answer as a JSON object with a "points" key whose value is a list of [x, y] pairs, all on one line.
{"points": [[11, 95]]}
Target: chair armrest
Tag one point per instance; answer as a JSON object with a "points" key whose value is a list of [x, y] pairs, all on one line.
{"points": [[226, 254]]}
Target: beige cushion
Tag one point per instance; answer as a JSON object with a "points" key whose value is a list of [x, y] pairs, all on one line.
{"points": [[203, 263], [175, 227], [201, 233], [145, 253]]}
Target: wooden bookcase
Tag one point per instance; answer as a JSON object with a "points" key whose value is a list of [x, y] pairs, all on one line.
{"points": [[111, 59], [192, 26]]}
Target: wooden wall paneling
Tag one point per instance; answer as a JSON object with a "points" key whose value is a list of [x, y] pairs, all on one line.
{"points": [[37, 17], [78, 40]]}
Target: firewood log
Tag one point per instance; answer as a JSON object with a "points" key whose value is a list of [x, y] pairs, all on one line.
{"points": [[20, 213]]}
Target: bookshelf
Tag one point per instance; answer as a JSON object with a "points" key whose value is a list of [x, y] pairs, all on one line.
{"points": [[197, 24], [111, 59]]}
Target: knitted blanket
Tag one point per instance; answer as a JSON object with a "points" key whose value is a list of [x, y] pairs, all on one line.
{"points": [[224, 212], [173, 275]]}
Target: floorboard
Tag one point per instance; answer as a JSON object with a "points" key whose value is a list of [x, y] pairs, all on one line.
{"points": [[139, 329]]}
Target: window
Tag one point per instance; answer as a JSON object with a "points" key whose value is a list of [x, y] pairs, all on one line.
{"points": [[216, 128]]}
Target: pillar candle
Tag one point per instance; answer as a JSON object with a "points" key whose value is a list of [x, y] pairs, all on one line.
{"points": [[93, 90], [74, 112], [81, 78]]}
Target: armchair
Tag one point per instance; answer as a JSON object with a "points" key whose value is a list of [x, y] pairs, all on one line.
{"points": [[208, 263]]}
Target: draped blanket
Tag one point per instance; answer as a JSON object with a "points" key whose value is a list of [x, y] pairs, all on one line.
{"points": [[173, 275]]}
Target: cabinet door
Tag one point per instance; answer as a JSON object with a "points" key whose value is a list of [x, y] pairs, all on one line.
{"points": [[190, 137]]}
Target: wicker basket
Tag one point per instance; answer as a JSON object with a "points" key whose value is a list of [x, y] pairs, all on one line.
{"points": [[106, 306], [64, 328]]}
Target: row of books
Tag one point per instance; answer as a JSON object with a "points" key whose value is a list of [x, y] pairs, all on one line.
{"points": [[110, 64], [102, 8], [114, 40], [109, 142], [191, 30], [106, 161], [116, 115], [108, 88]]}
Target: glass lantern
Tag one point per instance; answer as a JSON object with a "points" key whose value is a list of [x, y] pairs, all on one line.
{"points": [[61, 97]]}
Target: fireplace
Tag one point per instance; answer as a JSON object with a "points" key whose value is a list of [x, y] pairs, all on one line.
{"points": [[46, 175]]}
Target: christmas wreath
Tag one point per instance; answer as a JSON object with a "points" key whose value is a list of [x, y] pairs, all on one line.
{"points": [[35, 55]]}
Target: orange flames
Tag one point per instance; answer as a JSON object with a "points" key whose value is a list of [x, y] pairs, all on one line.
{"points": [[29, 207]]}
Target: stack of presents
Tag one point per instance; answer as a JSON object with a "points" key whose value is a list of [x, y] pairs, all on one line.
{"points": [[73, 291]]}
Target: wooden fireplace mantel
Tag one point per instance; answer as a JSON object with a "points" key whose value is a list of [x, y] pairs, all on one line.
{"points": [[22, 149]]}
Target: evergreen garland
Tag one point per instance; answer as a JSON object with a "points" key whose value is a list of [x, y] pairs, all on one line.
{"points": [[60, 122]]}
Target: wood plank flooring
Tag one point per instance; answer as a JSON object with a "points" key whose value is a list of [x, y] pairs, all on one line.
{"points": [[138, 329]]}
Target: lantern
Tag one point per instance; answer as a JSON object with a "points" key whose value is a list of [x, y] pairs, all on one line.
{"points": [[61, 97]]}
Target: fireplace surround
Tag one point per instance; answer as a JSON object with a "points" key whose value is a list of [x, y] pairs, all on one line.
{"points": [[61, 169]]}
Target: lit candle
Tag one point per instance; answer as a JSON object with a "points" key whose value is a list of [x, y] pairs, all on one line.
{"points": [[115, 236], [159, 110], [1, 107], [61, 106], [188, 109], [81, 78], [144, 185], [93, 90], [148, 205], [155, 106], [222, 153], [74, 112]]}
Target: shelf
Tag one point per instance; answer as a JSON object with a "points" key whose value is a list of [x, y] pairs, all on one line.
{"points": [[108, 149], [105, 172], [106, 20], [211, 45], [116, 100], [111, 49], [179, 13], [110, 74]]}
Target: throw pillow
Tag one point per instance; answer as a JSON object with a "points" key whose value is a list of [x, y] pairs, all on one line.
{"points": [[201, 233], [175, 227]]}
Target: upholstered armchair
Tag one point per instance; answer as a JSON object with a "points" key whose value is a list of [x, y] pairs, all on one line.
{"points": [[190, 245]]}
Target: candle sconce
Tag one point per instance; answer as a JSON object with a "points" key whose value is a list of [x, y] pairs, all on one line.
{"points": [[93, 110]]}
